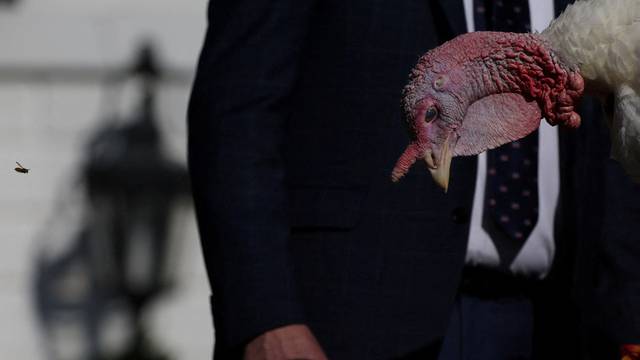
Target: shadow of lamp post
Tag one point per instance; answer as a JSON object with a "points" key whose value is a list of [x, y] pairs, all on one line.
{"points": [[131, 190]]}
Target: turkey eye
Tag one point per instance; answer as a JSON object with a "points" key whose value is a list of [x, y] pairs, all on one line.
{"points": [[431, 114]]}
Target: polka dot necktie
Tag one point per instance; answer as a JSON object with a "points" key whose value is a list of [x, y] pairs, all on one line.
{"points": [[511, 192]]}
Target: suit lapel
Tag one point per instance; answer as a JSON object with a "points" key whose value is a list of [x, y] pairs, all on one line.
{"points": [[454, 12], [560, 5]]}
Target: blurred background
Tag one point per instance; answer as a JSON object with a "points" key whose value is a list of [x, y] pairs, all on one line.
{"points": [[99, 255]]}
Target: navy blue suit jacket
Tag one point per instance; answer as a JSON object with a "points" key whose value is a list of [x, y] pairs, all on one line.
{"points": [[599, 225], [294, 126]]}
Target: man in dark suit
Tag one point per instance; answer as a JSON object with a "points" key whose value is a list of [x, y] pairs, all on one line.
{"points": [[310, 249]]}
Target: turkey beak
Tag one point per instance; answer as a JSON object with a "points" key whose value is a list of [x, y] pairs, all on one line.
{"points": [[440, 166]]}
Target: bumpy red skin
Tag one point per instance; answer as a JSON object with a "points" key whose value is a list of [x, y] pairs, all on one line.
{"points": [[533, 71], [476, 65], [505, 62]]}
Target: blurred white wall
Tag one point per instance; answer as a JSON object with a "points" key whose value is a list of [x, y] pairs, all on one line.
{"points": [[44, 125]]}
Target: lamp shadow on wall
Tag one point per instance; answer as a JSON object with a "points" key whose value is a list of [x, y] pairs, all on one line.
{"points": [[116, 223]]}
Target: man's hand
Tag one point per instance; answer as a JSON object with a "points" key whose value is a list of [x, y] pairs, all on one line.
{"points": [[291, 342]]}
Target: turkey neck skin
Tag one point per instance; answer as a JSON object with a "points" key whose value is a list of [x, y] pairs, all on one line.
{"points": [[485, 63]]}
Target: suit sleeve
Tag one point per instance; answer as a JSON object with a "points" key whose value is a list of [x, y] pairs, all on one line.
{"points": [[237, 112], [619, 278]]}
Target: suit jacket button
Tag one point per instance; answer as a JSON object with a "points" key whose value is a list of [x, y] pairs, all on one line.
{"points": [[460, 215]]}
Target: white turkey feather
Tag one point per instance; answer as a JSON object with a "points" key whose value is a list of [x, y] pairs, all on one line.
{"points": [[625, 131], [601, 39]]}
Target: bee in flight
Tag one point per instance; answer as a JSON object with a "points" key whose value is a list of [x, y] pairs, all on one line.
{"points": [[21, 169]]}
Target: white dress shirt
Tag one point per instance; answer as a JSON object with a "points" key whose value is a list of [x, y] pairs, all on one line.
{"points": [[536, 256]]}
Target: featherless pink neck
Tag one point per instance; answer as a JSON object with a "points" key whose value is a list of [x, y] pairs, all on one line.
{"points": [[499, 62]]}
